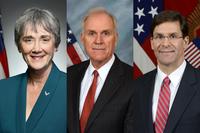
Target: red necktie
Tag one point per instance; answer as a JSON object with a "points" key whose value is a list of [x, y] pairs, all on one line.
{"points": [[163, 106], [89, 102]]}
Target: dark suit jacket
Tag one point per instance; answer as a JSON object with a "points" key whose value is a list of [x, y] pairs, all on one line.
{"points": [[184, 116], [110, 109], [49, 112]]}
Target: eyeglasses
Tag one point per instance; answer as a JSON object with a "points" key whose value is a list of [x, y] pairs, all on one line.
{"points": [[172, 38]]}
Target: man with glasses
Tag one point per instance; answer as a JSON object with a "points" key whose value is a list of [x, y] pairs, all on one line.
{"points": [[167, 99]]}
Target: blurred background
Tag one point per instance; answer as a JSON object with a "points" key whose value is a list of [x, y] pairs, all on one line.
{"points": [[122, 10], [10, 11]]}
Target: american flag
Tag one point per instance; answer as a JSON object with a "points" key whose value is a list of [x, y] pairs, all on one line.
{"points": [[144, 11], [75, 54], [4, 73]]}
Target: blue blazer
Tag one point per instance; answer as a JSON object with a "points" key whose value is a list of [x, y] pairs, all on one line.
{"points": [[184, 116], [48, 114]]}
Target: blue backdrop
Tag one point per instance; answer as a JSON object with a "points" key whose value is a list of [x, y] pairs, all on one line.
{"points": [[122, 10]]}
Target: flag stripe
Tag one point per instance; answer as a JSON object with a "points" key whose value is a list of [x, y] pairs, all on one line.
{"points": [[136, 71], [69, 61], [147, 48], [2, 76], [79, 52], [140, 58], [192, 55], [73, 54], [4, 72], [195, 60], [144, 12], [189, 48]]}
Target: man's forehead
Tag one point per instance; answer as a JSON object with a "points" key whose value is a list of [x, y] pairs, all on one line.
{"points": [[171, 27], [99, 18], [97, 15], [99, 29], [168, 24]]}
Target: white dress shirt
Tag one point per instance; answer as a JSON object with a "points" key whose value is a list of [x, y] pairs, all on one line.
{"points": [[175, 78], [88, 78]]}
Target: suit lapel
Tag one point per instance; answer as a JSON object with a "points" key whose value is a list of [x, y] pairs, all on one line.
{"points": [[43, 100], [185, 93], [76, 86], [147, 105], [21, 104], [110, 86]]}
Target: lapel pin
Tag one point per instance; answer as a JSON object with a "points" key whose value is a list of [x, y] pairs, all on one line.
{"points": [[46, 93]]}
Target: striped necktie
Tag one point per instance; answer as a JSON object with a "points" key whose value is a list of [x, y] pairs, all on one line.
{"points": [[163, 106]]}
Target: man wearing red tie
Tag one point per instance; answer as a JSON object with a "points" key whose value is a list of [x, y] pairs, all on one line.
{"points": [[167, 98], [99, 90]]}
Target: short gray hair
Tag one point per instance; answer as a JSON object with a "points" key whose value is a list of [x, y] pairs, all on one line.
{"points": [[34, 17], [97, 10]]}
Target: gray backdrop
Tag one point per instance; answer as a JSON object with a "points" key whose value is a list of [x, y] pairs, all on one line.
{"points": [[121, 9], [11, 10]]}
